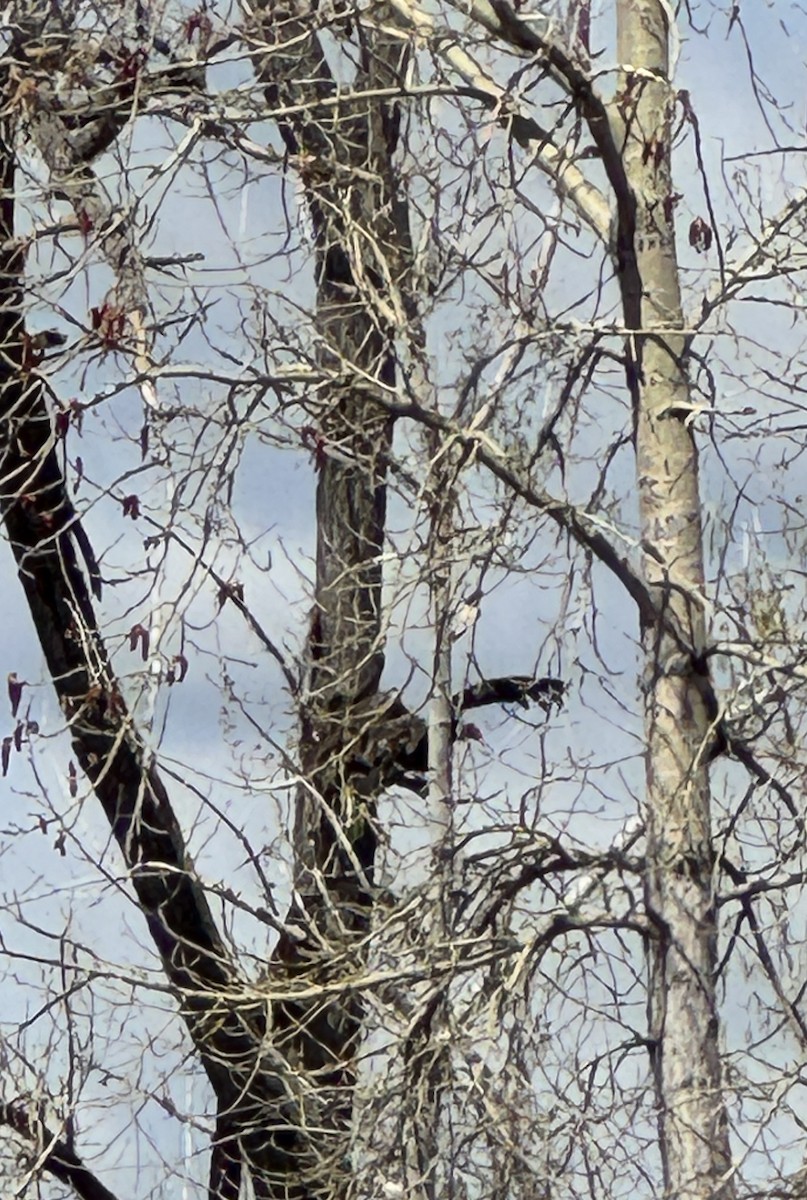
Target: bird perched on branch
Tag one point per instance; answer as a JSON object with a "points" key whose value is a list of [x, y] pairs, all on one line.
{"points": [[392, 747]]}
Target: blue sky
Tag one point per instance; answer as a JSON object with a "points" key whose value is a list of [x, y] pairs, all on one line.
{"points": [[544, 615]]}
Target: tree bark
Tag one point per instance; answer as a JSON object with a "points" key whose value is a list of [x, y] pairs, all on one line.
{"points": [[56, 1154], [344, 154], [224, 1019], [678, 719]]}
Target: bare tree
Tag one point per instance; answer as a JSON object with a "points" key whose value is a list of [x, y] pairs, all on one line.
{"points": [[481, 271]]}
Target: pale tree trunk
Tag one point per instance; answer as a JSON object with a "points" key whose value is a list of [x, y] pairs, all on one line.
{"points": [[427, 1058], [678, 710]]}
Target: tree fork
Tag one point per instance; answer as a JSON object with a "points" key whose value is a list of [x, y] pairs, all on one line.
{"points": [[362, 251]]}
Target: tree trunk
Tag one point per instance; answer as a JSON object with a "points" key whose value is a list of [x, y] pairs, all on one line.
{"points": [[223, 1017], [678, 713], [344, 154]]}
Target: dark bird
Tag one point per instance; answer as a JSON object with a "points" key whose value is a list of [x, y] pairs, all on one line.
{"points": [[394, 741]]}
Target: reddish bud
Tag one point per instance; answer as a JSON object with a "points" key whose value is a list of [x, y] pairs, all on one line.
{"points": [[15, 687], [669, 205], [130, 65], [77, 415], [139, 634], [700, 235], [199, 22], [108, 322], [85, 224]]}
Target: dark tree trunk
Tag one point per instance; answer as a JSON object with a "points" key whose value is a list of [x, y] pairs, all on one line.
{"points": [[260, 1102], [362, 242]]}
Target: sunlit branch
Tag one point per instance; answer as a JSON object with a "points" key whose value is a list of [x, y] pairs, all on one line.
{"points": [[586, 197]]}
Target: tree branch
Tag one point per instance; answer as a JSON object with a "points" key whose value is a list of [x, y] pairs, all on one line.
{"points": [[498, 17], [586, 197], [54, 1155], [226, 1024]]}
